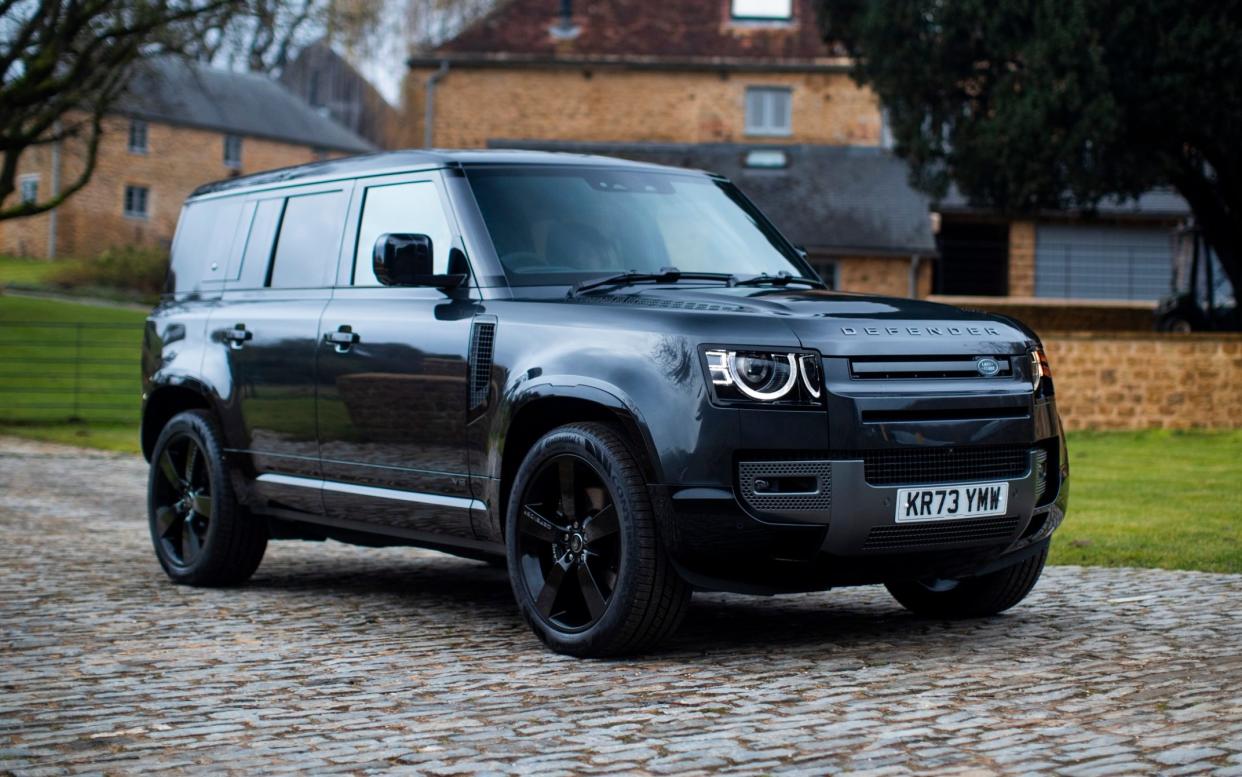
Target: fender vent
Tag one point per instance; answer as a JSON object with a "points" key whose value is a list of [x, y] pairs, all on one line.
{"points": [[482, 344]]}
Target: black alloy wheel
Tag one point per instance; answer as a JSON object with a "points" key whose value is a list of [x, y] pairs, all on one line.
{"points": [[569, 545], [586, 561], [183, 497], [202, 536]]}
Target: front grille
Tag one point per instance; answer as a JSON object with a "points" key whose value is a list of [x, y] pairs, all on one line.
{"points": [[943, 465], [940, 534], [929, 367], [818, 499]]}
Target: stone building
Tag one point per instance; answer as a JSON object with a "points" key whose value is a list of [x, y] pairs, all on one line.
{"points": [[749, 89], [179, 126]]}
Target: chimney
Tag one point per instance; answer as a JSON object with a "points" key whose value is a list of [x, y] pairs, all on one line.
{"points": [[563, 28]]}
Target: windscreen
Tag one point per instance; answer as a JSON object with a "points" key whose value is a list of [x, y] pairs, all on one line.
{"points": [[562, 225]]}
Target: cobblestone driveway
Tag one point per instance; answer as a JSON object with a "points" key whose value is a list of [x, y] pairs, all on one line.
{"points": [[336, 658]]}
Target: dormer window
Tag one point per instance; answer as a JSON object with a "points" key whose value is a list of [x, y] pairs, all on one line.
{"points": [[762, 10]]}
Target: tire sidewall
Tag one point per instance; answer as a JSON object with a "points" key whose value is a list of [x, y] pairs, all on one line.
{"points": [[579, 442], [198, 428]]}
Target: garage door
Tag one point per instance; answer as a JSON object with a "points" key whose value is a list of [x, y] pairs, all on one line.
{"points": [[1102, 262]]}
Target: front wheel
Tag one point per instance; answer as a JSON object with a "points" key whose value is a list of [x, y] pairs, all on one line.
{"points": [[971, 597], [202, 536], [585, 560]]}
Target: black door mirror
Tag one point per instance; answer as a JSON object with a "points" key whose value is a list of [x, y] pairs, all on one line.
{"points": [[401, 259]]}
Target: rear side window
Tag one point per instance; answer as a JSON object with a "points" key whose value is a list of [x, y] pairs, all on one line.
{"points": [[256, 256], [308, 242], [204, 238]]}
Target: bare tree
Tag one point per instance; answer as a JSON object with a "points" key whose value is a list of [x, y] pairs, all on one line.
{"points": [[63, 65]]}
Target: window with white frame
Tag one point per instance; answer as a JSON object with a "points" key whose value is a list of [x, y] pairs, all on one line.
{"points": [[137, 199], [762, 10], [232, 150], [28, 188], [137, 136], [769, 110]]}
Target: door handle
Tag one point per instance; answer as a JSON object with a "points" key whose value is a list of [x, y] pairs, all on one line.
{"points": [[342, 338], [237, 336]]}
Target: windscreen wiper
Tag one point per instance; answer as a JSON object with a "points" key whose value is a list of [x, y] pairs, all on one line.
{"points": [[665, 275], [780, 279]]}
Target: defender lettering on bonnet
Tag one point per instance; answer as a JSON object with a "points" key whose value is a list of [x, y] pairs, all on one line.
{"points": [[418, 369], [932, 331]]}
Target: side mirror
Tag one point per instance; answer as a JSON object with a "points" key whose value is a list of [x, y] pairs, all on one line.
{"points": [[401, 259]]}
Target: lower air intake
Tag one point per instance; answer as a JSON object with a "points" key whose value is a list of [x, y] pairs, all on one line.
{"points": [[942, 534]]}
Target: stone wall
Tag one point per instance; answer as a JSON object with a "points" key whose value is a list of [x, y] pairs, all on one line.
{"points": [[1144, 381], [610, 104], [1058, 315], [1022, 259], [178, 160]]}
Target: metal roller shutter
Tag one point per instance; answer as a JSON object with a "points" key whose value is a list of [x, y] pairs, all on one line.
{"points": [[1102, 262]]}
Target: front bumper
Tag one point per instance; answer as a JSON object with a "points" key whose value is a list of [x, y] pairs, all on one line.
{"points": [[845, 531]]}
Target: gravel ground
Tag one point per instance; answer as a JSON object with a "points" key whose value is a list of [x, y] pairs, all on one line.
{"points": [[346, 659]]}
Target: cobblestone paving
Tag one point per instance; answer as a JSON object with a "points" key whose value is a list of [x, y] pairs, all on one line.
{"points": [[343, 659]]}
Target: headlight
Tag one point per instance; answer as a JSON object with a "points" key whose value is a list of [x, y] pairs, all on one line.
{"points": [[1039, 367], [763, 376]]}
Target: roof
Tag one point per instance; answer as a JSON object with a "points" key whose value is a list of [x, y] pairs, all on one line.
{"points": [[634, 30], [408, 160], [175, 91], [834, 199], [1156, 204]]}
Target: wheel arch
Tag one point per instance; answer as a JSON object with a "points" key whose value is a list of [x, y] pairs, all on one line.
{"points": [[165, 401], [548, 407]]}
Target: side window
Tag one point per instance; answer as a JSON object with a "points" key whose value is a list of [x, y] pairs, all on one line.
{"points": [[204, 239], [256, 254], [310, 237], [403, 207]]}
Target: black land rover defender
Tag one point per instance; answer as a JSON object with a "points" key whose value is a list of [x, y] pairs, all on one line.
{"points": [[618, 379]]}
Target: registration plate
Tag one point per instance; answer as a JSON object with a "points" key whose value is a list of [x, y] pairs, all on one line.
{"points": [[946, 502]]}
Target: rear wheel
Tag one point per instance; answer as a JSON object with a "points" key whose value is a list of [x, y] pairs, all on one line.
{"points": [[588, 571], [971, 597], [201, 535]]}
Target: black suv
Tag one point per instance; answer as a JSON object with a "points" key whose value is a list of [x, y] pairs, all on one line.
{"points": [[617, 379]]}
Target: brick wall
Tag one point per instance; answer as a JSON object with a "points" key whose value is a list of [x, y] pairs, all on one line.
{"points": [[1057, 315], [888, 275], [178, 160], [1022, 259], [1145, 381], [617, 105]]}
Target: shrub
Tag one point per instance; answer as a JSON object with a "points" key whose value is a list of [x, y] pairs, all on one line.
{"points": [[139, 271]]}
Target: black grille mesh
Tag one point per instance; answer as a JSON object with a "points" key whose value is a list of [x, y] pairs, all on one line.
{"points": [[482, 341], [976, 531], [821, 471], [943, 465]]}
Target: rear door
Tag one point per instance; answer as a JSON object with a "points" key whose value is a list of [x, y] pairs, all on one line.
{"points": [[392, 375], [267, 330]]}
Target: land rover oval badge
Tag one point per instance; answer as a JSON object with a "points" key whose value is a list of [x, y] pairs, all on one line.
{"points": [[987, 367]]}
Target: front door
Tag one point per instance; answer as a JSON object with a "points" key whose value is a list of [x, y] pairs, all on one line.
{"points": [[392, 377]]}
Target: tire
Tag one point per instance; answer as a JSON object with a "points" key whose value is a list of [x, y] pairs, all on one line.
{"points": [[1176, 325], [201, 535], [971, 597], [630, 597]]}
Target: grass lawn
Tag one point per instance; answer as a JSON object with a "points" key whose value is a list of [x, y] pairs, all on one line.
{"points": [[39, 370], [22, 272], [1154, 499]]}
